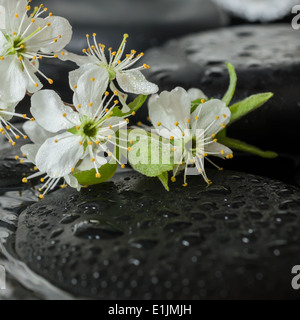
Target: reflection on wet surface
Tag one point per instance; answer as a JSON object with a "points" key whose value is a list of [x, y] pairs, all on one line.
{"points": [[21, 281]]}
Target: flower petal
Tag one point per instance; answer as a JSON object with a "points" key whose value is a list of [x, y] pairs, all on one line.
{"points": [[87, 165], [31, 150], [33, 43], [59, 30], [72, 182], [58, 159], [169, 108], [135, 82], [213, 116], [34, 84], [7, 107], [4, 44], [122, 97], [13, 7], [117, 123], [195, 94], [78, 59], [49, 111], [217, 150], [76, 74], [13, 80], [36, 133], [90, 90]]}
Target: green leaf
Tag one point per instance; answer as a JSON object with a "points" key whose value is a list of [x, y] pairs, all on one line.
{"points": [[88, 178], [232, 85], [134, 106], [149, 154], [242, 108], [242, 146], [164, 179]]}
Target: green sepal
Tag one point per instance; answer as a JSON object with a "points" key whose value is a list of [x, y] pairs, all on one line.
{"points": [[88, 178], [195, 105], [242, 108], [134, 106], [74, 131], [164, 179], [242, 146], [232, 85]]}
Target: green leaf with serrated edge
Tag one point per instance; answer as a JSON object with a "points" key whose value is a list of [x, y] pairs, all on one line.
{"points": [[242, 146], [134, 106], [242, 108], [164, 179], [232, 85], [147, 152], [88, 178]]}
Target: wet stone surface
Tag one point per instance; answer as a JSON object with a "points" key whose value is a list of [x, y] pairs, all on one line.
{"points": [[267, 59], [11, 170], [129, 239]]}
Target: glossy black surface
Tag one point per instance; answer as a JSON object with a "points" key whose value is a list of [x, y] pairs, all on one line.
{"points": [[129, 239]]}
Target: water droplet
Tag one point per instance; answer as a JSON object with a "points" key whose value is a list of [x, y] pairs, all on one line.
{"points": [[289, 204], [135, 262], [69, 219], [56, 233], [96, 230]]}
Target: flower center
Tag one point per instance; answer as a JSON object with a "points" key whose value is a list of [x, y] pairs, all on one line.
{"points": [[191, 145], [16, 48], [111, 72], [89, 130]]}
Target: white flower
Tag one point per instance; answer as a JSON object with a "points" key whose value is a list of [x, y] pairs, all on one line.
{"points": [[193, 135], [80, 133], [38, 136], [25, 40], [7, 129], [130, 80]]}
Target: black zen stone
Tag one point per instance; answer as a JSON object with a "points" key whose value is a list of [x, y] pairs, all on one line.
{"points": [[267, 58], [148, 23], [130, 239]]}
